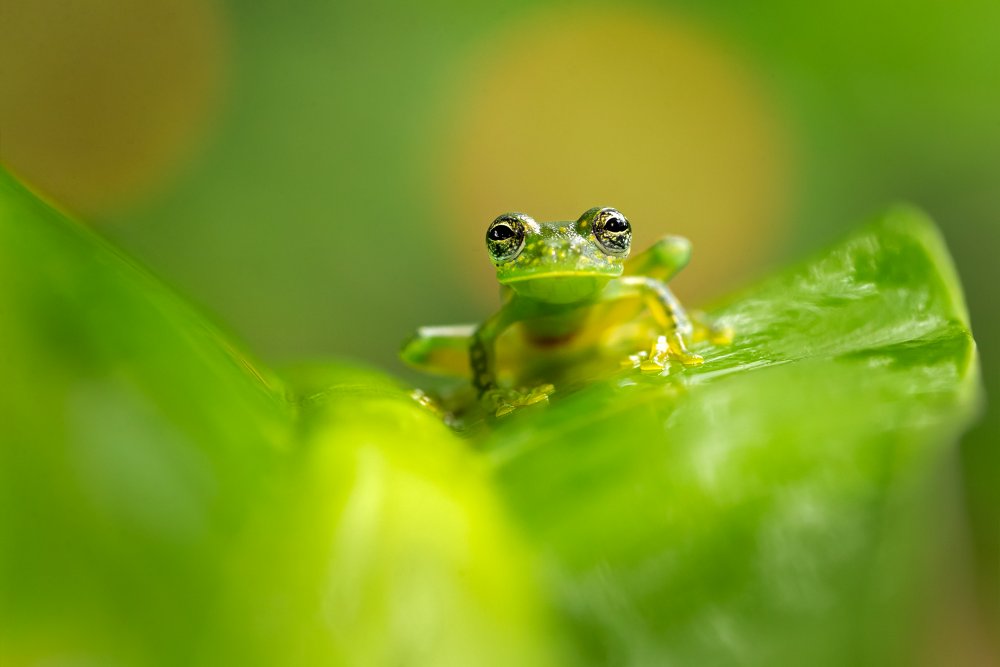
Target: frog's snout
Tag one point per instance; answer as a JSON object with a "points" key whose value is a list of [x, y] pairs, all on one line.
{"points": [[555, 249]]}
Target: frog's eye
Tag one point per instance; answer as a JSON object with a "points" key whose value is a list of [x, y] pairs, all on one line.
{"points": [[505, 238], [612, 231]]}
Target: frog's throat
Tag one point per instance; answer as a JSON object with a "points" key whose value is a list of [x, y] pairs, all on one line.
{"points": [[560, 274], [560, 287]]}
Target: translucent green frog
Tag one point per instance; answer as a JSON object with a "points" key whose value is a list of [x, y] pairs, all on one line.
{"points": [[571, 301]]}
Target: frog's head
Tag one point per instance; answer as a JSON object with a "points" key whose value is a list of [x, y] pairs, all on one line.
{"points": [[559, 262]]}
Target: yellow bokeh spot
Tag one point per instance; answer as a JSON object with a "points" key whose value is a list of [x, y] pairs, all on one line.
{"points": [[637, 110]]}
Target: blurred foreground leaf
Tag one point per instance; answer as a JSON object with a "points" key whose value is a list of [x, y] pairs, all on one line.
{"points": [[167, 501]]}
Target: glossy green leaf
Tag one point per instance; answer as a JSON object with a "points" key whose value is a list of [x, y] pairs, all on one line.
{"points": [[759, 509], [166, 500]]}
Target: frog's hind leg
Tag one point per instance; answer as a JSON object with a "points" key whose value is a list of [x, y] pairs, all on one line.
{"points": [[443, 350], [707, 328], [662, 261]]}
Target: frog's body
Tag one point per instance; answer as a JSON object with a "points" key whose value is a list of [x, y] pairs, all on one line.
{"points": [[567, 292]]}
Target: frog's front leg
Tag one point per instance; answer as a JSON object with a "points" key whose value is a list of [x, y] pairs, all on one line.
{"points": [[482, 352], [482, 360], [664, 260], [669, 315]]}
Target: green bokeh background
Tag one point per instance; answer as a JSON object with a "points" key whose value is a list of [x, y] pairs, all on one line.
{"points": [[308, 216]]}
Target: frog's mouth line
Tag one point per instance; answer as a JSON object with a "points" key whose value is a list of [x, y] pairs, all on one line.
{"points": [[561, 274]]}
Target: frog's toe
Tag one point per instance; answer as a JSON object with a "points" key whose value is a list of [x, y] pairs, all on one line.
{"points": [[424, 400], [505, 401], [663, 351], [539, 394], [496, 399], [721, 335], [634, 360], [653, 361], [689, 358], [651, 366], [677, 350], [505, 409]]}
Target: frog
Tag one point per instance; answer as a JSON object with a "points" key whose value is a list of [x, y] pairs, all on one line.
{"points": [[574, 293]]}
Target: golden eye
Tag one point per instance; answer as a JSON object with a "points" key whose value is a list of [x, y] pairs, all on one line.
{"points": [[612, 232], [505, 238]]}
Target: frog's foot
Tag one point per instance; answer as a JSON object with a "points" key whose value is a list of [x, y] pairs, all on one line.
{"points": [[706, 328], [665, 349], [505, 401], [428, 403]]}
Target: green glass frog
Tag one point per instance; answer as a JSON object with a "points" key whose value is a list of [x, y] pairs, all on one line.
{"points": [[571, 299]]}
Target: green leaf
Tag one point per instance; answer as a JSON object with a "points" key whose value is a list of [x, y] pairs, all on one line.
{"points": [[167, 500], [758, 509]]}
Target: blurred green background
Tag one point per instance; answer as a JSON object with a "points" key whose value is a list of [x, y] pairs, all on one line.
{"points": [[318, 175]]}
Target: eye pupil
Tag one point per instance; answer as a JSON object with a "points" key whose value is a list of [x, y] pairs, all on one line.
{"points": [[616, 225], [501, 233]]}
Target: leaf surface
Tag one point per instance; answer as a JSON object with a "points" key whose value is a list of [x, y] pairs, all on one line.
{"points": [[168, 500]]}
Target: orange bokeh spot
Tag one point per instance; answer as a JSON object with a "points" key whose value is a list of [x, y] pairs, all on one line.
{"points": [[103, 99]]}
